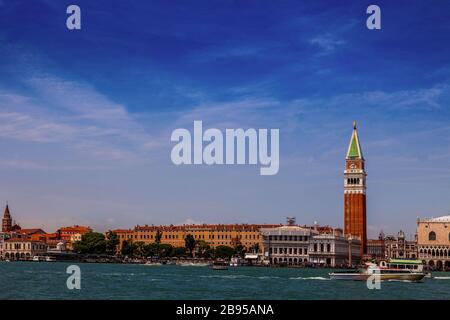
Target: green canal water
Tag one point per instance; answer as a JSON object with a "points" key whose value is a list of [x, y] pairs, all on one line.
{"points": [[40, 280]]}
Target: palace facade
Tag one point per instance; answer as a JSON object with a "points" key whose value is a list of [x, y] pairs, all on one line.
{"points": [[248, 235], [433, 241], [287, 244]]}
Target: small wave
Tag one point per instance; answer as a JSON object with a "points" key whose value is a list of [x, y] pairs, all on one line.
{"points": [[226, 276], [268, 277], [441, 278], [309, 278]]}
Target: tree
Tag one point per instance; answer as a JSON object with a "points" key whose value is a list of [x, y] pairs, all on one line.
{"points": [[189, 242], [92, 242], [158, 237], [112, 241], [224, 252], [127, 248], [139, 250], [165, 250], [240, 250], [179, 252], [151, 250], [202, 248]]}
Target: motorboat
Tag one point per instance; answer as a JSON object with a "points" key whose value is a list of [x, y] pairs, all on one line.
{"points": [[390, 270]]}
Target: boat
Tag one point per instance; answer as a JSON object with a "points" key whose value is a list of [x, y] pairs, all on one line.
{"points": [[390, 270], [193, 264], [50, 259], [151, 263], [236, 262], [36, 259], [219, 267]]}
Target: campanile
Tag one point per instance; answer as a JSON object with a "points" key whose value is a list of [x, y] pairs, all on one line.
{"points": [[355, 191]]}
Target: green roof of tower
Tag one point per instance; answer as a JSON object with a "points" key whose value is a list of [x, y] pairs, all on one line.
{"points": [[354, 149]]}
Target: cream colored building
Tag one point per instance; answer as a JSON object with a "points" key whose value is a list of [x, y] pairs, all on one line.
{"points": [[433, 241], [287, 244], [21, 249], [334, 250]]}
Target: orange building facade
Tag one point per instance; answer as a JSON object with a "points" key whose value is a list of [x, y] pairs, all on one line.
{"points": [[215, 235], [67, 233]]}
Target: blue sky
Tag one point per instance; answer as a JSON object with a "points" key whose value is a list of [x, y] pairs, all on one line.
{"points": [[86, 115]]}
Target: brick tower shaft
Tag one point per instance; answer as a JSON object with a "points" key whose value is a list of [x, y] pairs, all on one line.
{"points": [[355, 192]]}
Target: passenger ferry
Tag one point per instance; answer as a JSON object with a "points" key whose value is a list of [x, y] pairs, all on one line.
{"points": [[394, 269]]}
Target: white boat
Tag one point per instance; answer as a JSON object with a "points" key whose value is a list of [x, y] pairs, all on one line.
{"points": [[50, 259], [193, 264], [150, 263], [36, 259], [394, 269]]}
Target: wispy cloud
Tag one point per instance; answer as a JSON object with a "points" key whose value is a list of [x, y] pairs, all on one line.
{"points": [[327, 43], [75, 114]]}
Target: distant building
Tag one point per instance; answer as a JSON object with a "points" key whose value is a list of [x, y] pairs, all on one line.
{"points": [[66, 233], [32, 232], [21, 249], [295, 245], [334, 250], [433, 241], [247, 235], [287, 244], [376, 248], [7, 220], [399, 247], [8, 225]]}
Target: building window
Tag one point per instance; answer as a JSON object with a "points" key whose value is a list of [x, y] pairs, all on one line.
{"points": [[432, 236]]}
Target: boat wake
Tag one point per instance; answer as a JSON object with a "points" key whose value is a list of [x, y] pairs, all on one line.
{"points": [[309, 278], [441, 278]]}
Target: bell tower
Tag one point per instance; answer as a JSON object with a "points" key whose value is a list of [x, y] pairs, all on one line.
{"points": [[7, 220], [355, 192]]}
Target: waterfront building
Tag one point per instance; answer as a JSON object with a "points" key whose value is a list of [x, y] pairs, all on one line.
{"points": [[21, 249], [66, 233], [247, 235], [355, 192], [399, 247], [334, 250], [287, 244], [36, 232], [433, 241], [376, 248]]}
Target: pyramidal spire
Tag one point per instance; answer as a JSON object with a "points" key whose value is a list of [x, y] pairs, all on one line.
{"points": [[7, 214], [354, 148]]}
